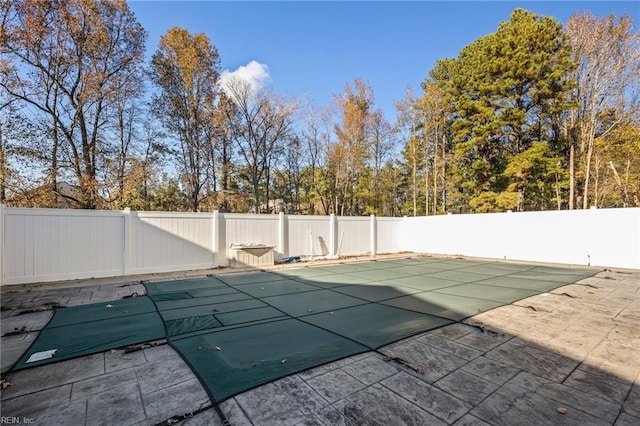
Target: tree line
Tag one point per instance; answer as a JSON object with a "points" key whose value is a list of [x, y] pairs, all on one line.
{"points": [[535, 116]]}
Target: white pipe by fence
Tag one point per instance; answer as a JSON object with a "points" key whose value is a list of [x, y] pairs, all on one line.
{"points": [[39, 245]]}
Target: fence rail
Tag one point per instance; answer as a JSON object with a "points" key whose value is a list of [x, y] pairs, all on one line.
{"points": [[39, 245]]}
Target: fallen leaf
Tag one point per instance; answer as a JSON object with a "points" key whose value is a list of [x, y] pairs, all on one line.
{"points": [[6, 384], [562, 410]]}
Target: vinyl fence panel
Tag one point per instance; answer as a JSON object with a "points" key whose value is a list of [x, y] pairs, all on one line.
{"points": [[51, 245], [163, 241]]}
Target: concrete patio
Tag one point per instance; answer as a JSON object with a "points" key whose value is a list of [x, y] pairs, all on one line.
{"points": [[571, 356]]}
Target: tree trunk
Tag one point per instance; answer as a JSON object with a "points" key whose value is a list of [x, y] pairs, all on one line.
{"points": [[435, 178], [54, 159], [267, 181], [444, 176], [625, 195], [194, 201], [558, 192], [596, 181], [426, 187], [3, 168], [572, 174], [585, 190], [256, 194], [415, 185]]}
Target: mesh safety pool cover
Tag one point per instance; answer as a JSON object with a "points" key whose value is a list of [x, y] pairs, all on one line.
{"points": [[241, 330], [88, 329], [232, 361], [248, 329]]}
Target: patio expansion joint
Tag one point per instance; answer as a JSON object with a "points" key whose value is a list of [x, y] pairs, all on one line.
{"points": [[471, 372], [330, 403], [142, 404], [628, 396], [242, 409], [578, 365], [467, 411]]}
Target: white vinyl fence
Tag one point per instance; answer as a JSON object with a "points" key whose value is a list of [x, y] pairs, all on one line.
{"points": [[597, 237], [39, 245]]}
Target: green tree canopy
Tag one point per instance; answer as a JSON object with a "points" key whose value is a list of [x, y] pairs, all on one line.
{"points": [[505, 89]]}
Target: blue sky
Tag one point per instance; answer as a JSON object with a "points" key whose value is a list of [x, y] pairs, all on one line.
{"points": [[312, 49]]}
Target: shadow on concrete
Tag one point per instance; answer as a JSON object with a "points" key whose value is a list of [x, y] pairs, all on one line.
{"points": [[568, 356]]}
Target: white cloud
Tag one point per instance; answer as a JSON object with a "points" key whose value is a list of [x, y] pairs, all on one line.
{"points": [[255, 74]]}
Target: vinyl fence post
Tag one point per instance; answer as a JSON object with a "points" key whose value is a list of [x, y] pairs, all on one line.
{"points": [[215, 238], [126, 264], [221, 239], [282, 235], [1, 244], [333, 234], [373, 235]]}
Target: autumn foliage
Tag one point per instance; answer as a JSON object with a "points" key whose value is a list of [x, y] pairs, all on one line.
{"points": [[537, 115]]}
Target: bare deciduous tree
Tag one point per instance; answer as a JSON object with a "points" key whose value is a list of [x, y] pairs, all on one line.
{"points": [[264, 121], [186, 69], [70, 59], [606, 51]]}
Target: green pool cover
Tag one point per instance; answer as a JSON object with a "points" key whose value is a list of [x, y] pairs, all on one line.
{"points": [[241, 330], [88, 329]]}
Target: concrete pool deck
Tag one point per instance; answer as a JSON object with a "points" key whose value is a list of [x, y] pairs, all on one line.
{"points": [[570, 356]]}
